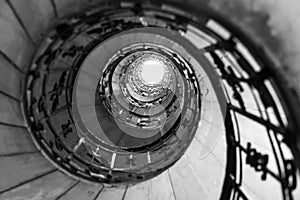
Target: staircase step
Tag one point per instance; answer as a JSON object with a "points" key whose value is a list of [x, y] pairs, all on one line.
{"points": [[185, 184], [19, 169], [112, 193], [48, 187], [137, 192], [160, 188], [15, 141], [83, 191]]}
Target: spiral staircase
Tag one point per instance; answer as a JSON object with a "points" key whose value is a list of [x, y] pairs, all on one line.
{"points": [[149, 100]]}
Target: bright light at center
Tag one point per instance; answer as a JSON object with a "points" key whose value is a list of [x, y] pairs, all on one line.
{"points": [[152, 71]]}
